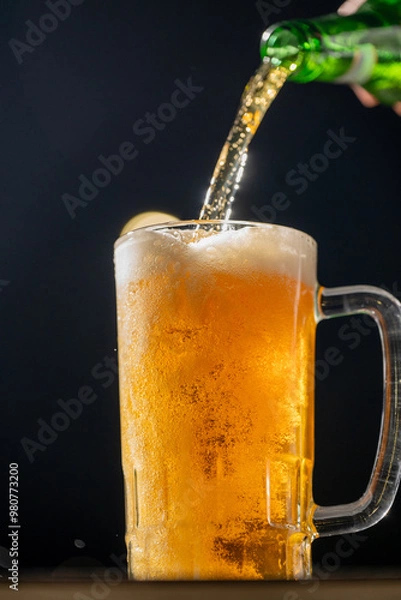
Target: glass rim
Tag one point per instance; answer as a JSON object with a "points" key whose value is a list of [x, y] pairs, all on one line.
{"points": [[204, 222]]}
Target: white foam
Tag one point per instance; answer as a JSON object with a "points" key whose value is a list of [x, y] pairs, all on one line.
{"points": [[266, 248]]}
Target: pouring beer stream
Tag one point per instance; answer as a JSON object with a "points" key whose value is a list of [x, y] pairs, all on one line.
{"points": [[261, 91]]}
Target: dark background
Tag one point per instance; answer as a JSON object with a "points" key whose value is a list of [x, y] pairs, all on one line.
{"points": [[76, 96]]}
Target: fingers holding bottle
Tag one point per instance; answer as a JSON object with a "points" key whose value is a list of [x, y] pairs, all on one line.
{"points": [[366, 98]]}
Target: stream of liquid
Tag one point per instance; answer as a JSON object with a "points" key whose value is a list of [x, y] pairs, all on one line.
{"points": [[257, 97]]}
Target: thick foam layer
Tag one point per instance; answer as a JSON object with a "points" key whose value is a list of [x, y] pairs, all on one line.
{"points": [[265, 248]]}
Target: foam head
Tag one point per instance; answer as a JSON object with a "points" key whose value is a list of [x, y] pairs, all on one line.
{"points": [[242, 248]]}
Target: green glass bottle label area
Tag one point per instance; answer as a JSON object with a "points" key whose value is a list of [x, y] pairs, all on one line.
{"points": [[363, 48]]}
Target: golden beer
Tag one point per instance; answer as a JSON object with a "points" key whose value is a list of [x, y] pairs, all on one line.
{"points": [[216, 331]]}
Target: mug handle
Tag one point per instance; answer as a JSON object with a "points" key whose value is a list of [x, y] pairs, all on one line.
{"points": [[385, 478]]}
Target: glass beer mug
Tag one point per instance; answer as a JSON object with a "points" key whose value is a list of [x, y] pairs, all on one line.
{"points": [[216, 328]]}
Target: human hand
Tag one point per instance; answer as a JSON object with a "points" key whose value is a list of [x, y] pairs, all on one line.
{"points": [[349, 8]]}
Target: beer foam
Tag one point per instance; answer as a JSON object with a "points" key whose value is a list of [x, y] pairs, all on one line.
{"points": [[263, 248]]}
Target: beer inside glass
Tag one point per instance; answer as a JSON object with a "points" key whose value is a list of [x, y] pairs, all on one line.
{"points": [[216, 327]]}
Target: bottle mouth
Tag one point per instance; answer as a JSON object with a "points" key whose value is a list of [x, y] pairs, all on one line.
{"points": [[296, 47], [281, 45]]}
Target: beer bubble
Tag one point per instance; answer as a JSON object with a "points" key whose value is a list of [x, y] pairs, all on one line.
{"points": [[173, 267]]}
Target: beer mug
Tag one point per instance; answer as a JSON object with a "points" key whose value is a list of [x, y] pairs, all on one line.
{"points": [[216, 335]]}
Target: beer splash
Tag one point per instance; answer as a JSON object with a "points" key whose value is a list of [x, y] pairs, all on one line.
{"points": [[257, 97]]}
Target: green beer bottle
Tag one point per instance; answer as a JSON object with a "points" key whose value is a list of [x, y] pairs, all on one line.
{"points": [[363, 48]]}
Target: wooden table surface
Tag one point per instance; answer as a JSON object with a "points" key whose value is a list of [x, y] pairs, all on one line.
{"points": [[372, 589]]}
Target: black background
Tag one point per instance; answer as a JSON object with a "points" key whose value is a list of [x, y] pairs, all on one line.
{"points": [[76, 96]]}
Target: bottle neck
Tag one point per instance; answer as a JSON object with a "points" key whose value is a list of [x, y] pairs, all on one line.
{"points": [[329, 48]]}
